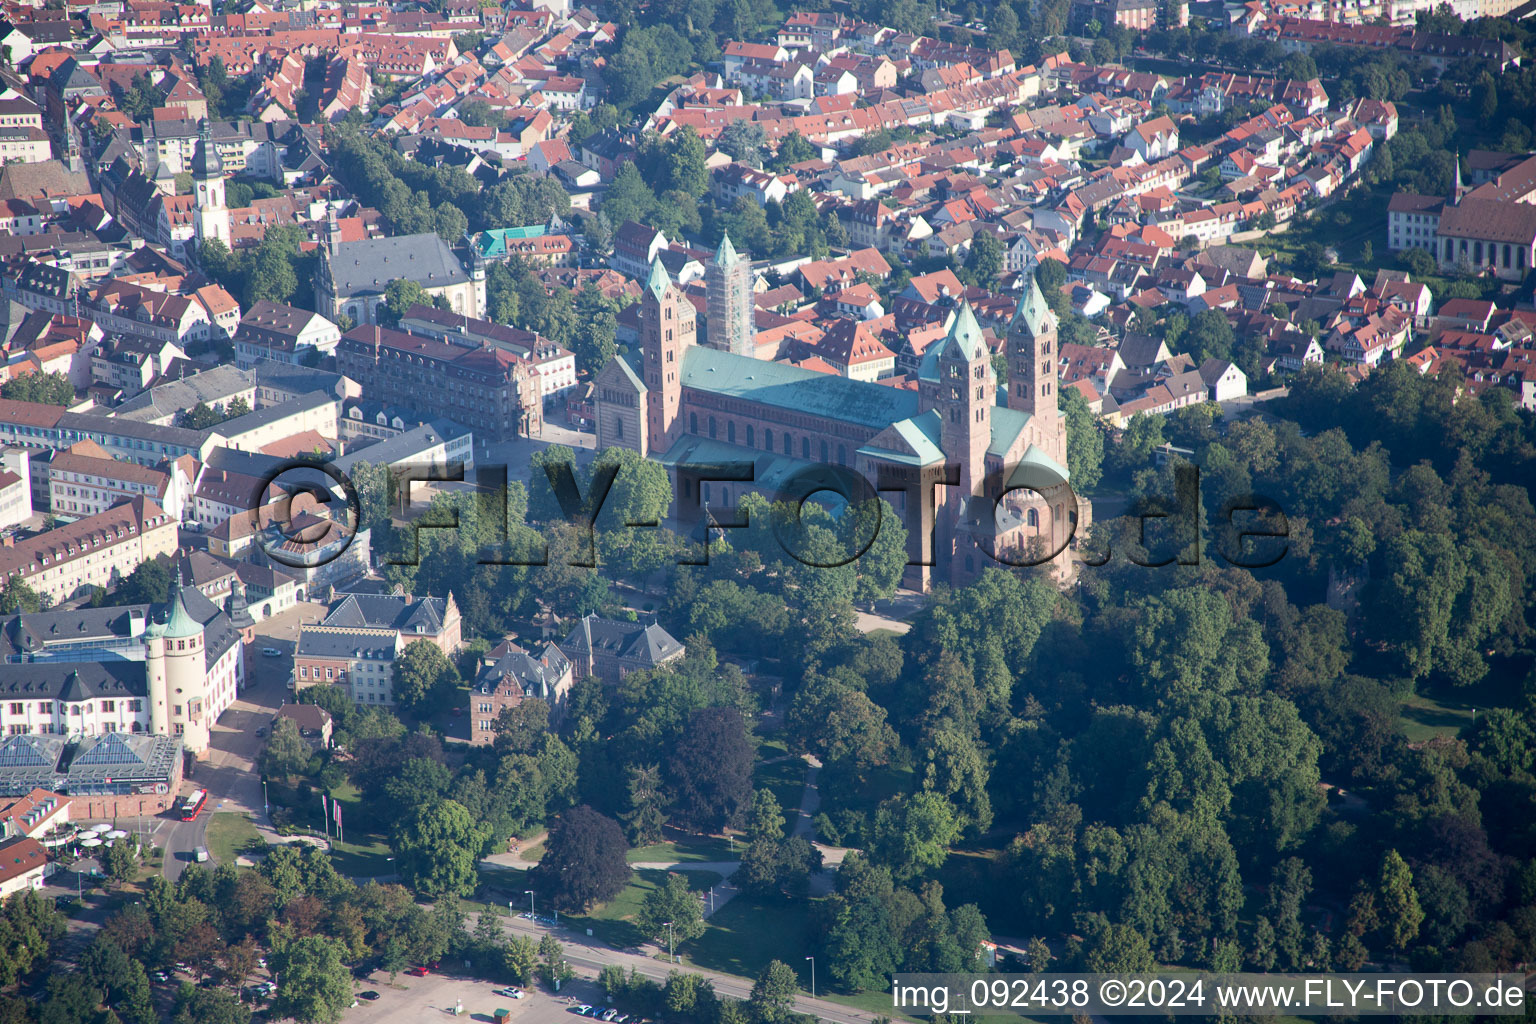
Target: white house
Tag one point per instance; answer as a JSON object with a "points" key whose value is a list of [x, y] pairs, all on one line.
{"points": [[1223, 379]]}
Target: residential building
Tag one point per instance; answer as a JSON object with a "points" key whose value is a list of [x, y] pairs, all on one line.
{"points": [[23, 862], [360, 661], [510, 674], [284, 334], [610, 650], [97, 551]]}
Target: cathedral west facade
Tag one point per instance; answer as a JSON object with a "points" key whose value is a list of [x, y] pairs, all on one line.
{"points": [[974, 481]]}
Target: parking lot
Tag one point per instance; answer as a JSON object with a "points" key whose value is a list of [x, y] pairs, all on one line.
{"points": [[418, 999]]}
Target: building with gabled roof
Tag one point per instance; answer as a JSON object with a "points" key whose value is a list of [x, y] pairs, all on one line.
{"points": [[427, 618], [508, 675], [609, 649]]}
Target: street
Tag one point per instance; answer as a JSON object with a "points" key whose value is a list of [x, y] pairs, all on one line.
{"points": [[228, 771]]}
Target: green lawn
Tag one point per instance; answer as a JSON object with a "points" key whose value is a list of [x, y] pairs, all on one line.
{"points": [[364, 853], [786, 780], [228, 834], [1446, 711], [878, 1003], [367, 859], [613, 922], [748, 932], [682, 847]]}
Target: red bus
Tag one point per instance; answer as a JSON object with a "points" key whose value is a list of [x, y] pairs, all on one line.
{"points": [[192, 806]]}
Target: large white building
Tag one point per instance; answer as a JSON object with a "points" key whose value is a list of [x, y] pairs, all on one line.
{"points": [[160, 670]]}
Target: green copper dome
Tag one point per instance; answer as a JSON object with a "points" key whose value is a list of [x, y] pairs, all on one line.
{"points": [[181, 624]]}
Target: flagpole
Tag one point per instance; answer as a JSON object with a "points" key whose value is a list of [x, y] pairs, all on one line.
{"points": [[325, 818]]}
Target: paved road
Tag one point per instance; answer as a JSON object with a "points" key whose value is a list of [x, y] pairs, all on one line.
{"points": [[587, 958], [228, 770]]}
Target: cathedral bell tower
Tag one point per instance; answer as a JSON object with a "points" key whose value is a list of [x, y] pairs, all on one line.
{"points": [[1032, 371], [956, 381], [668, 328]]}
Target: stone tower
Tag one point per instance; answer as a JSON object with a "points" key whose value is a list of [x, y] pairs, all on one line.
{"points": [[1033, 371], [728, 307], [668, 327], [176, 667], [956, 380], [212, 215]]}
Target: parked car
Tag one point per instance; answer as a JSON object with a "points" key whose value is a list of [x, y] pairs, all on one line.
{"points": [[510, 993], [370, 995], [271, 652], [418, 972], [581, 1010], [200, 854]]}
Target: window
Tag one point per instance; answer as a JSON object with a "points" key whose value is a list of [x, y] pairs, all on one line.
{"points": [[177, 710], [303, 671], [805, 447], [693, 423], [328, 673], [711, 427], [18, 709], [767, 439], [730, 432]]}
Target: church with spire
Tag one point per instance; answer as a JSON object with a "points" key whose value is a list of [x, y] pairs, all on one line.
{"points": [[211, 207], [977, 474]]}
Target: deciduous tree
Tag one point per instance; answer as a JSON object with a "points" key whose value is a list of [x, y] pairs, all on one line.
{"points": [[584, 861]]}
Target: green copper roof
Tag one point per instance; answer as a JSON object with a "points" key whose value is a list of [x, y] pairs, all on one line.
{"points": [[181, 624], [725, 256], [1037, 470], [1007, 425], [922, 434], [790, 387], [964, 337], [659, 281], [1032, 309], [493, 241]]}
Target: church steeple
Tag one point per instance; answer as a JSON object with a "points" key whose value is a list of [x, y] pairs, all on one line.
{"points": [[668, 328], [1032, 370], [957, 382], [729, 324], [212, 217]]}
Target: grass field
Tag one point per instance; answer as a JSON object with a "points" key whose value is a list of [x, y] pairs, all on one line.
{"points": [[613, 922], [365, 853], [681, 847], [228, 833], [878, 1003], [1446, 711], [748, 932]]}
